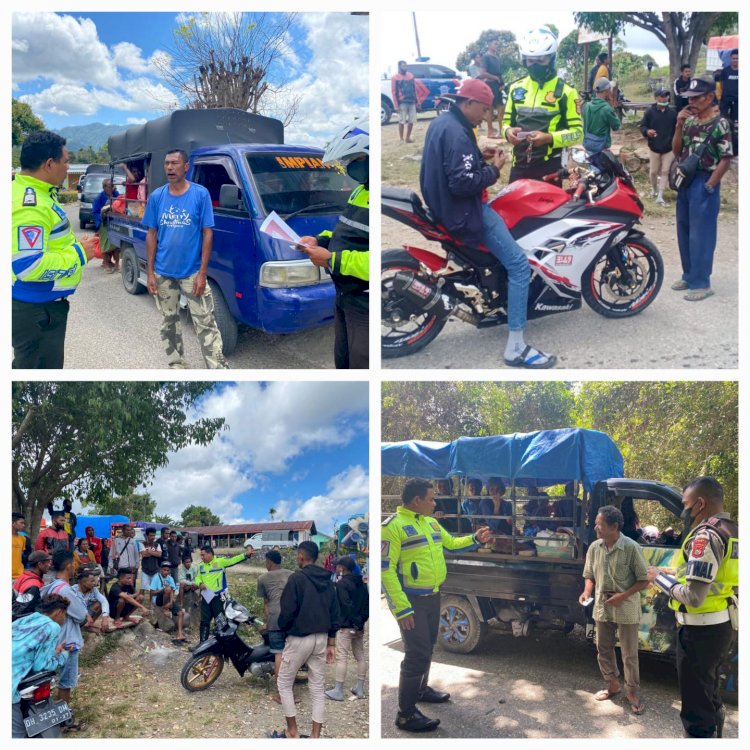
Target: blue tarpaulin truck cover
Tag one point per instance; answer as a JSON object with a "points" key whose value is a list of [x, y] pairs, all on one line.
{"points": [[546, 457], [101, 524]]}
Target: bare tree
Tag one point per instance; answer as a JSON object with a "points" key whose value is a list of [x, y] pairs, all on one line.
{"points": [[224, 60]]}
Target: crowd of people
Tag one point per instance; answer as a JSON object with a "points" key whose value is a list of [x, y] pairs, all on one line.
{"points": [[313, 615]]}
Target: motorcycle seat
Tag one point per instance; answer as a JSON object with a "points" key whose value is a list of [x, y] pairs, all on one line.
{"points": [[410, 199], [34, 678]]}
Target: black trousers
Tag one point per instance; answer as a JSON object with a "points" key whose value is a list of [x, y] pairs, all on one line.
{"points": [[535, 171], [208, 612], [39, 334], [700, 652], [351, 348], [418, 646]]}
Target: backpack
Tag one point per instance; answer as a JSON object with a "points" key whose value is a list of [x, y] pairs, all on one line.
{"points": [[23, 604]]}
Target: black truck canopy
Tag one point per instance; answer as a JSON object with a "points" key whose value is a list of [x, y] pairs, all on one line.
{"points": [[189, 129]]}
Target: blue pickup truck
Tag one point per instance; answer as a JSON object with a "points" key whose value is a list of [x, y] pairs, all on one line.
{"points": [[241, 159]]}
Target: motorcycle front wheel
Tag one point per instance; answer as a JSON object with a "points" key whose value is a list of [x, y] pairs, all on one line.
{"points": [[200, 672], [624, 280], [402, 333]]}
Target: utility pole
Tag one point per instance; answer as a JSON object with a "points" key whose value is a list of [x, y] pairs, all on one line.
{"points": [[416, 35]]}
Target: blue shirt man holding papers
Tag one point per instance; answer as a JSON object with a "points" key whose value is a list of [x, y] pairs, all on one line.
{"points": [[180, 221]]}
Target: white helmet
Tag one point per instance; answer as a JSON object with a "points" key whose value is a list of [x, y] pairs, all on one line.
{"points": [[537, 42], [353, 140]]}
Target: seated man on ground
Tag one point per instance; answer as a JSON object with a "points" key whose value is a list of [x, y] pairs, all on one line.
{"points": [[123, 601], [164, 593], [97, 605]]}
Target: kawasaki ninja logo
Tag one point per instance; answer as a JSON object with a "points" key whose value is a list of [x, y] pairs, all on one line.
{"points": [[551, 308]]}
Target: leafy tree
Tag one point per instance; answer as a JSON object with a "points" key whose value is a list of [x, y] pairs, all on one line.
{"points": [[167, 520], [272, 512], [136, 506], [682, 33], [24, 121], [507, 52], [198, 515], [570, 58], [94, 440], [224, 60]]}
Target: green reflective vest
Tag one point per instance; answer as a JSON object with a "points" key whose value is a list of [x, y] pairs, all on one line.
{"points": [[213, 574], [412, 557], [553, 107], [696, 562], [46, 258]]}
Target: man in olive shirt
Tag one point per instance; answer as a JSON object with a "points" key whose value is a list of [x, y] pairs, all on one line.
{"points": [[615, 565]]}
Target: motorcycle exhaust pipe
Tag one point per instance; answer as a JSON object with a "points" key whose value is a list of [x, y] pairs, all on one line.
{"points": [[426, 297]]}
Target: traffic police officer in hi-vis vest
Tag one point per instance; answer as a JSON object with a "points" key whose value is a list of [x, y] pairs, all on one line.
{"points": [[413, 569], [702, 595], [345, 252], [543, 113], [47, 258]]}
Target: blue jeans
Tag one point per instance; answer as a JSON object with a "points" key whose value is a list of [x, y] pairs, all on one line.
{"points": [[499, 241], [697, 216]]}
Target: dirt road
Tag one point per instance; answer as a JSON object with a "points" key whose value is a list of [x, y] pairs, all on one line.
{"points": [[538, 686], [670, 334]]}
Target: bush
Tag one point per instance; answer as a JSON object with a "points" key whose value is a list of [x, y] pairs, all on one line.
{"points": [[67, 196]]}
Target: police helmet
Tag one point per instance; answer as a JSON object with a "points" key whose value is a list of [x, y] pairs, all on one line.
{"points": [[352, 141]]}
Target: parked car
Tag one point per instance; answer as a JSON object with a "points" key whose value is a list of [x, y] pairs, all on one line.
{"points": [[433, 80]]}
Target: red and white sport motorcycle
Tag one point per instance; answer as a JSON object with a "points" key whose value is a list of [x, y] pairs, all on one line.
{"points": [[580, 242]]}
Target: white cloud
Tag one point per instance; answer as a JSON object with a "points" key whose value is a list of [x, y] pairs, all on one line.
{"points": [[60, 48], [268, 427], [334, 78], [130, 57], [348, 494], [63, 99], [136, 120]]}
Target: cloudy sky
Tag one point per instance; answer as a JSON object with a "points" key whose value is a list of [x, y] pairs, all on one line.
{"points": [[80, 68], [444, 35], [299, 447]]}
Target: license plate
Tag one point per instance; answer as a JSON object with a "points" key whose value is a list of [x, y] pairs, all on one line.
{"points": [[48, 715]]}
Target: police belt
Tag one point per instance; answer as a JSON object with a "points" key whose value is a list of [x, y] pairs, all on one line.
{"points": [[707, 618]]}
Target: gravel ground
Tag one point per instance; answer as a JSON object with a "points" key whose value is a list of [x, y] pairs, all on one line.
{"points": [[539, 686]]}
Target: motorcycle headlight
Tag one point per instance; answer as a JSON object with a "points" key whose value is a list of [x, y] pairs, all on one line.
{"points": [[290, 273]]}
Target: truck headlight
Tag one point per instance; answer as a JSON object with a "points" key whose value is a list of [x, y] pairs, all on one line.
{"points": [[288, 273]]}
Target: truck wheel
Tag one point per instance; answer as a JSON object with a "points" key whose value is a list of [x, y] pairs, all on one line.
{"points": [[224, 320], [460, 629], [130, 271], [82, 223], [386, 111]]}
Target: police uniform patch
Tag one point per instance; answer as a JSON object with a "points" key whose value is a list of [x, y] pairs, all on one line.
{"points": [[550, 98], [519, 94], [385, 548], [29, 197], [699, 547], [579, 104], [435, 525], [30, 238], [59, 211], [702, 564], [409, 530]]}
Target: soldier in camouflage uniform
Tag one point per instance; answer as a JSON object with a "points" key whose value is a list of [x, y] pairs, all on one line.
{"points": [[180, 221]]}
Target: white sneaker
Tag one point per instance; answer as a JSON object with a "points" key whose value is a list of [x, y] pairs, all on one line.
{"points": [[653, 194], [661, 202]]}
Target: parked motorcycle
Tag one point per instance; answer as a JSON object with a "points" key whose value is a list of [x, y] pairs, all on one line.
{"points": [[42, 716], [580, 242], [206, 663]]}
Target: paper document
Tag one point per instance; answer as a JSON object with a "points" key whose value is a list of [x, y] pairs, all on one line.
{"points": [[276, 227]]}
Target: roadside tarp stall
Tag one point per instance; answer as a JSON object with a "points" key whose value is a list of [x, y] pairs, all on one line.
{"points": [[539, 458], [189, 129], [102, 524]]}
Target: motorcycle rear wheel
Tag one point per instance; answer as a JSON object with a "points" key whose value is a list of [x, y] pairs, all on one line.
{"points": [[200, 672], [607, 294], [413, 333]]}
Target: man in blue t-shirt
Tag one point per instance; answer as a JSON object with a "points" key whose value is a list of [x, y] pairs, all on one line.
{"points": [[180, 221]]}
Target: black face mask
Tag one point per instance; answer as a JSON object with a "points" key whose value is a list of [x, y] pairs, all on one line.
{"points": [[687, 513], [540, 73], [359, 171]]}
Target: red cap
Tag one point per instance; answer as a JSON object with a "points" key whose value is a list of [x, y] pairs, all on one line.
{"points": [[479, 91]]}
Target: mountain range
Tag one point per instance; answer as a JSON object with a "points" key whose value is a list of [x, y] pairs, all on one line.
{"points": [[94, 134]]}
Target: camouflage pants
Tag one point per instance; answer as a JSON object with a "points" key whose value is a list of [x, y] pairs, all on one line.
{"points": [[202, 312]]}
